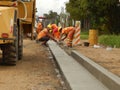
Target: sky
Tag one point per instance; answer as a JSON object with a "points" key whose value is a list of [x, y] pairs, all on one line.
{"points": [[44, 6]]}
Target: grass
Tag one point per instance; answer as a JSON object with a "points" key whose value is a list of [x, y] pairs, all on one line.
{"points": [[84, 35], [110, 40], [106, 40]]}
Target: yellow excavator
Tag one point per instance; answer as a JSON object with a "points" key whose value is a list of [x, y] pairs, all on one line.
{"points": [[17, 17]]}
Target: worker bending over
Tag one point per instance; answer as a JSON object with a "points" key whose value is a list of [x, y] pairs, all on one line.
{"points": [[44, 36], [68, 33], [55, 31]]}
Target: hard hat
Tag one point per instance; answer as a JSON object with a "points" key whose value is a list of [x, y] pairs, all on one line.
{"points": [[49, 26]]}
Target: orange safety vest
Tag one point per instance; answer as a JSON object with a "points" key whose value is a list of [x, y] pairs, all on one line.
{"points": [[43, 33], [67, 30], [70, 32], [39, 27], [56, 34], [53, 26]]}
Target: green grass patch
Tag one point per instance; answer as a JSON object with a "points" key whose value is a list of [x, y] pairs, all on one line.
{"points": [[106, 40], [84, 35], [110, 40]]}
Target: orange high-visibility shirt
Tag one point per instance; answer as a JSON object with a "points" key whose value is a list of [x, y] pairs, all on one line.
{"points": [[43, 33], [67, 30], [39, 27], [53, 26], [56, 33]]}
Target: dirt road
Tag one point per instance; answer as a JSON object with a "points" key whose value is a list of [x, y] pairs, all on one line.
{"points": [[109, 59], [34, 72]]}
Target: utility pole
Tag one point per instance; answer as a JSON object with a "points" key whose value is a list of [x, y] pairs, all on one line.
{"points": [[62, 17]]}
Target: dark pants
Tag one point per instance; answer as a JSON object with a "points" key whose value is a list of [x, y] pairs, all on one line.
{"points": [[46, 38]]}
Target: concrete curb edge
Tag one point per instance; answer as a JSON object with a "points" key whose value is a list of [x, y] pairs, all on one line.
{"points": [[107, 78]]}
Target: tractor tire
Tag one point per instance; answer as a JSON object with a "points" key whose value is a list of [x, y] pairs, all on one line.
{"points": [[10, 55]]}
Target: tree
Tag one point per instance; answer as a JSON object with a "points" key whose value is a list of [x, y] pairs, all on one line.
{"points": [[77, 9], [99, 12], [53, 16]]}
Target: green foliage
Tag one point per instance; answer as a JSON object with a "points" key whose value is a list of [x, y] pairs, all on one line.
{"points": [[84, 35], [110, 40], [99, 12], [77, 9], [51, 15], [106, 40], [103, 30], [73, 11]]}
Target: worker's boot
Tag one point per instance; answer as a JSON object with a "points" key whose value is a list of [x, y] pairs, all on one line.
{"points": [[44, 43], [37, 41]]}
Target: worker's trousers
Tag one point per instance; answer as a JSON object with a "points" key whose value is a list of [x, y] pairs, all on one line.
{"points": [[70, 38]]}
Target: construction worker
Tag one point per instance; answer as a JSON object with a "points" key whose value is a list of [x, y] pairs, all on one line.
{"points": [[44, 36], [52, 26], [55, 31], [39, 27], [68, 33]]}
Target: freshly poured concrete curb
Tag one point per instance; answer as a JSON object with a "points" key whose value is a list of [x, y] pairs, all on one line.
{"points": [[107, 78], [76, 76]]}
